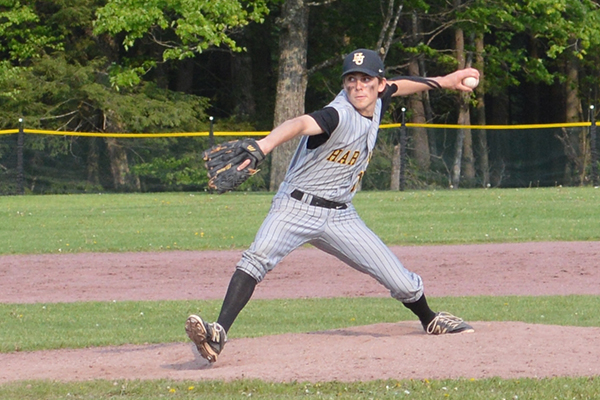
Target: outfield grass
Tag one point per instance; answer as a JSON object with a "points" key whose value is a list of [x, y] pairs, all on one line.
{"points": [[85, 324], [200, 221], [463, 389]]}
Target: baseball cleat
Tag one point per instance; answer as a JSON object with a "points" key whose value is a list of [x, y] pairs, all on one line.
{"points": [[208, 338], [447, 323]]}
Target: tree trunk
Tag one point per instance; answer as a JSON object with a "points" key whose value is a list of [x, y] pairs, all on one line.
{"points": [[464, 142], [185, 75], [395, 176], [291, 82], [458, 154], [242, 77], [245, 105], [483, 153], [500, 141], [533, 94], [123, 179], [573, 105], [577, 138], [93, 166], [420, 140], [468, 157], [433, 150]]}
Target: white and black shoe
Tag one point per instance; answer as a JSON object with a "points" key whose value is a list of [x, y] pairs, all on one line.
{"points": [[208, 338], [444, 323]]}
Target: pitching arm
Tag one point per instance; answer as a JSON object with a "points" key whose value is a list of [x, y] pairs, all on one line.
{"points": [[408, 85]]}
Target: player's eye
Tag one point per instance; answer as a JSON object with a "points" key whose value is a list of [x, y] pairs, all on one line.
{"points": [[353, 80]]}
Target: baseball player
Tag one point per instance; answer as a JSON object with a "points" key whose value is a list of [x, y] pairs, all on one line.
{"points": [[314, 202]]}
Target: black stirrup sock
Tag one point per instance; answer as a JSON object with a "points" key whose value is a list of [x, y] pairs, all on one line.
{"points": [[421, 309], [238, 294]]}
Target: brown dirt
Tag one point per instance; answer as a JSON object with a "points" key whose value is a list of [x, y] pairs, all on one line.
{"points": [[400, 350]]}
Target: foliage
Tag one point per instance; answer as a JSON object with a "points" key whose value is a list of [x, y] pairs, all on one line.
{"points": [[181, 28], [173, 173], [528, 40], [57, 95], [23, 36], [104, 66], [64, 85]]}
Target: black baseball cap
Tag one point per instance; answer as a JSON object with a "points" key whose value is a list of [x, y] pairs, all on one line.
{"points": [[365, 61]]}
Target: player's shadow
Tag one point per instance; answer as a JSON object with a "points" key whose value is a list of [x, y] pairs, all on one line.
{"points": [[344, 332], [123, 349], [375, 331], [198, 363]]}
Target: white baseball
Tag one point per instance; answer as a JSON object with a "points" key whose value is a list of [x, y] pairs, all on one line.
{"points": [[470, 82]]}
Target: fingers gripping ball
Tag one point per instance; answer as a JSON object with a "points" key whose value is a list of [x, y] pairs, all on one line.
{"points": [[223, 160], [470, 82]]}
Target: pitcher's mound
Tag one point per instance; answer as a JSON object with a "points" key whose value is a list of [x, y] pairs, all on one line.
{"points": [[382, 351]]}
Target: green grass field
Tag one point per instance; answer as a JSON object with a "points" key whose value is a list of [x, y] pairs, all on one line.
{"points": [[199, 221], [463, 389], [84, 324], [191, 221]]}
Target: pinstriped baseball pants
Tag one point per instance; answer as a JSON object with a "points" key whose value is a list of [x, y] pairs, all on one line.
{"points": [[342, 233]]}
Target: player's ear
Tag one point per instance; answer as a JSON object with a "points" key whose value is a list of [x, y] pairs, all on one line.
{"points": [[382, 83]]}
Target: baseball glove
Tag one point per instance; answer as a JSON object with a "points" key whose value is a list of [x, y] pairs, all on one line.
{"points": [[223, 160]]}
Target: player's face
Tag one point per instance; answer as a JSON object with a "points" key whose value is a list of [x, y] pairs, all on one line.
{"points": [[362, 91]]}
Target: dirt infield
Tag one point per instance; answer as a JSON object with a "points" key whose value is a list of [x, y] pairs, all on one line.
{"points": [[398, 351]]}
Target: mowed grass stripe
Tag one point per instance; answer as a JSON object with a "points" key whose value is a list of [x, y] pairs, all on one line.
{"points": [[201, 221], [28, 327]]}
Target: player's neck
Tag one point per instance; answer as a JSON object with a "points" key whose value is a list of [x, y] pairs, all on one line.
{"points": [[366, 112]]}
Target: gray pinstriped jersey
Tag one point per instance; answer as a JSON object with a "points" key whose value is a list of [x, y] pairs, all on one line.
{"points": [[333, 170]]}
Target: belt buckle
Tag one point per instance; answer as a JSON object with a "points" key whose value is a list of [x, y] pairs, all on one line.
{"points": [[341, 206]]}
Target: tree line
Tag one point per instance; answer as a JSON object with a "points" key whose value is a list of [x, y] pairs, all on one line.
{"points": [[167, 65]]}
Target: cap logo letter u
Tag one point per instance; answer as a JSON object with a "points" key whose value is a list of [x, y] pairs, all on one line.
{"points": [[358, 58]]}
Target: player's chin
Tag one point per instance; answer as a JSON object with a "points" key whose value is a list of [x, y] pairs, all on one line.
{"points": [[360, 102]]}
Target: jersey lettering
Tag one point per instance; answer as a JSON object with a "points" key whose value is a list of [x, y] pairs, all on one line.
{"points": [[360, 176], [345, 159], [334, 154]]}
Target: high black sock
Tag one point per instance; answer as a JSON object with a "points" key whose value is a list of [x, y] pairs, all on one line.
{"points": [[421, 309], [238, 294]]}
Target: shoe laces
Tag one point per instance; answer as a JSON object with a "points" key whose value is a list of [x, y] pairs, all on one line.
{"points": [[443, 322], [217, 334]]}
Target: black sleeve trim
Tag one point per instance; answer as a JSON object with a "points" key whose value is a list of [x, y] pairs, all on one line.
{"points": [[420, 79], [328, 119], [386, 98]]}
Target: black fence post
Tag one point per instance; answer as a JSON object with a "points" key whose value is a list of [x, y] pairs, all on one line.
{"points": [[20, 169], [403, 143], [211, 134], [594, 147]]}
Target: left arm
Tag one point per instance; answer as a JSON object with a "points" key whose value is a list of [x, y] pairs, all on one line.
{"points": [[302, 125]]}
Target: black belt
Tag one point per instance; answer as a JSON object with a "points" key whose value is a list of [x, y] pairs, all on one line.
{"points": [[319, 201]]}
